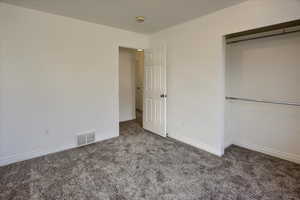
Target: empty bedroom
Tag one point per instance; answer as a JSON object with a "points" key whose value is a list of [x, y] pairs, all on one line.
{"points": [[149, 100]]}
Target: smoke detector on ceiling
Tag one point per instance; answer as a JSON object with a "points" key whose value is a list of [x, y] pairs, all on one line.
{"points": [[140, 19]]}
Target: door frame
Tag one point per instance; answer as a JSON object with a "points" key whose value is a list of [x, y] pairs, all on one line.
{"points": [[117, 110], [118, 81]]}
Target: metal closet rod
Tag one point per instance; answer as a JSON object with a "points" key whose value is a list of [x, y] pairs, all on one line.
{"points": [[262, 101], [265, 36]]}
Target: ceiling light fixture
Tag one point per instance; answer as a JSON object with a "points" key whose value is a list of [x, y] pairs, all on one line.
{"points": [[140, 50], [140, 19]]}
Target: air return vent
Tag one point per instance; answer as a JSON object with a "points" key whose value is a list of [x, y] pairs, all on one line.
{"points": [[86, 138]]}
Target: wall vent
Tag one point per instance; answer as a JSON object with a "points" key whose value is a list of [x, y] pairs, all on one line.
{"points": [[86, 138]]}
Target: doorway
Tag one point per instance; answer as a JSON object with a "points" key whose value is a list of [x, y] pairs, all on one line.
{"points": [[131, 86], [142, 88], [139, 85]]}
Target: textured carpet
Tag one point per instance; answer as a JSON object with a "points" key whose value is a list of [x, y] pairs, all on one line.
{"points": [[139, 165]]}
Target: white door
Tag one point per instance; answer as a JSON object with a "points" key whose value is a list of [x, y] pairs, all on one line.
{"points": [[155, 91]]}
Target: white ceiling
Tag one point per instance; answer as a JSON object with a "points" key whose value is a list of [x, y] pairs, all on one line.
{"points": [[159, 14]]}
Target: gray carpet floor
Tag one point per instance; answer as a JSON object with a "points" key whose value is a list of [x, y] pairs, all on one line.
{"points": [[139, 165]]}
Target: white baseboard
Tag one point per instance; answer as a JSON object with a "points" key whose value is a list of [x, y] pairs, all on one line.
{"points": [[127, 120], [198, 145], [269, 151], [39, 152]]}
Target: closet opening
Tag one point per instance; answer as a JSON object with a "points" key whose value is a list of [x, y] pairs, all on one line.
{"points": [[262, 90]]}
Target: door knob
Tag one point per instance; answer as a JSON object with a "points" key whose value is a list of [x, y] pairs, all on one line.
{"points": [[163, 96]]}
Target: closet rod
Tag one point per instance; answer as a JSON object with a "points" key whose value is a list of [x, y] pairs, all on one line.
{"points": [[262, 101], [265, 36]]}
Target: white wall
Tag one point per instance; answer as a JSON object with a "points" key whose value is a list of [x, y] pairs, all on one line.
{"points": [[59, 77], [196, 67], [265, 69], [127, 65]]}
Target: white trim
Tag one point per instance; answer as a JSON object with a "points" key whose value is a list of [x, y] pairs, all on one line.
{"points": [[39, 152], [127, 120], [269, 151], [198, 145]]}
